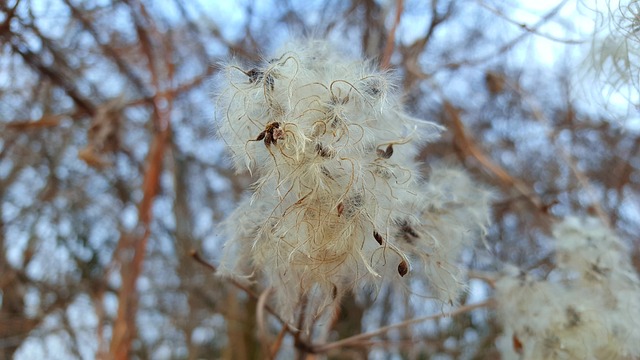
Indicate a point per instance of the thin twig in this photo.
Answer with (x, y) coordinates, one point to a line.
(469, 147)
(251, 293)
(489, 278)
(391, 39)
(526, 27)
(364, 336)
(260, 318)
(278, 343)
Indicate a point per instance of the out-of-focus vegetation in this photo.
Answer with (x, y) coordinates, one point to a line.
(111, 176)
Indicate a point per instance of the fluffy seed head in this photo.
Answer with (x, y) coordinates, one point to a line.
(338, 203)
(588, 309)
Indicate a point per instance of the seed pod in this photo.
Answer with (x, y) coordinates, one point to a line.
(517, 344)
(268, 139)
(385, 154)
(406, 231)
(254, 75)
(340, 208)
(403, 268)
(378, 237)
(388, 152)
(323, 151)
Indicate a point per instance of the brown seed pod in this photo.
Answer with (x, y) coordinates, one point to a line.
(385, 154)
(324, 152)
(271, 134)
(256, 76)
(403, 268)
(340, 208)
(407, 232)
(378, 237)
(517, 344)
(388, 152)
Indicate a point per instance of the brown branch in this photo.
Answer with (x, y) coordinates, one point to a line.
(469, 148)
(524, 26)
(124, 329)
(391, 39)
(411, 52)
(350, 341)
(251, 293)
(124, 326)
(260, 318)
(278, 343)
(300, 343)
(46, 121)
(510, 44)
(107, 49)
(10, 13)
(56, 78)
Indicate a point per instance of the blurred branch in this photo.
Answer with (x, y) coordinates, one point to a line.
(469, 148)
(524, 26)
(124, 328)
(391, 38)
(55, 76)
(9, 13)
(356, 340)
(46, 121)
(411, 53)
(108, 50)
(510, 44)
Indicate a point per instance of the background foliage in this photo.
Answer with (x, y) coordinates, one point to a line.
(110, 175)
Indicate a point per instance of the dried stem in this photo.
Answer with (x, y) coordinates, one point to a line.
(350, 341)
(391, 39)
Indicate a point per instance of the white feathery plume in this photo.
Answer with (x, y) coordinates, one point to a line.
(338, 204)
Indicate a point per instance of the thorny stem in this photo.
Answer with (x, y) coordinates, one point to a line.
(357, 338)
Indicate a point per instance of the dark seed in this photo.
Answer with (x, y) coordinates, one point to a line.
(407, 232)
(324, 152)
(254, 75)
(378, 237)
(388, 152)
(385, 154)
(403, 268)
(326, 173)
(517, 344)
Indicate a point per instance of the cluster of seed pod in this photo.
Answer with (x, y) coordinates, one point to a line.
(338, 203)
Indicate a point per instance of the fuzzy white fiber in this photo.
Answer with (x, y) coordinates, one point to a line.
(589, 309)
(338, 204)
